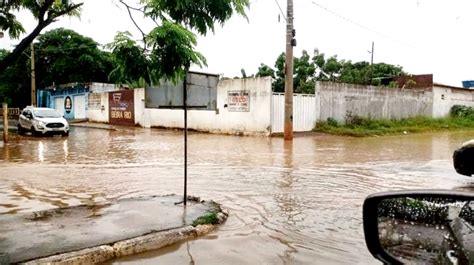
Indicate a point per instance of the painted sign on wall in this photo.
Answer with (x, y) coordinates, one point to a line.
(238, 101)
(121, 108)
(68, 104)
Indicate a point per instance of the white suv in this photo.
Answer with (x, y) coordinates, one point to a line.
(41, 121)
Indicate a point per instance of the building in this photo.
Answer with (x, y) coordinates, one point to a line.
(71, 99)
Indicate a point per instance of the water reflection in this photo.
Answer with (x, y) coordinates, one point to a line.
(41, 150)
(66, 150)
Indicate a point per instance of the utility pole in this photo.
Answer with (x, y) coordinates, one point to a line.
(5, 122)
(372, 55)
(33, 76)
(371, 63)
(290, 42)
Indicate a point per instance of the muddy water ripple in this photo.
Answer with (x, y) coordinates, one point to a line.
(296, 203)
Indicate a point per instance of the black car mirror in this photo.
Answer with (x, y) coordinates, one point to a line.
(420, 227)
(463, 159)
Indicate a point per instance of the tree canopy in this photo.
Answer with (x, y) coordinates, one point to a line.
(45, 12)
(62, 56)
(169, 48)
(309, 69)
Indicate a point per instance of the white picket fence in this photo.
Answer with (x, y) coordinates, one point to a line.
(304, 112)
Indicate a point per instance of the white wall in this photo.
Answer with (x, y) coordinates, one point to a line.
(336, 100)
(98, 107)
(102, 87)
(444, 98)
(256, 121)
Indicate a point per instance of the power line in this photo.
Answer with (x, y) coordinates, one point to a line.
(281, 10)
(360, 25)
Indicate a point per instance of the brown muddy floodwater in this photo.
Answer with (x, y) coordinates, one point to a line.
(296, 203)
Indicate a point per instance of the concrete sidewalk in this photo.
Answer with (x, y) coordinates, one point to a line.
(93, 125)
(30, 236)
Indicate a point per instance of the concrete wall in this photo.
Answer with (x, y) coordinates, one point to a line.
(336, 100)
(257, 120)
(98, 107)
(444, 98)
(102, 87)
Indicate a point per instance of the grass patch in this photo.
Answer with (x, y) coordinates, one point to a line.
(461, 118)
(208, 218)
(211, 216)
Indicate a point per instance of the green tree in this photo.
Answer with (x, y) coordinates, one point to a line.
(308, 70)
(304, 79)
(265, 70)
(64, 56)
(44, 11)
(131, 64)
(15, 81)
(279, 83)
(169, 48)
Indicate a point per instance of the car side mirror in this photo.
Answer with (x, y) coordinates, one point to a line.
(463, 159)
(434, 227)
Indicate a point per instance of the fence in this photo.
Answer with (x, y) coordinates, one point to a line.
(304, 112)
(12, 112)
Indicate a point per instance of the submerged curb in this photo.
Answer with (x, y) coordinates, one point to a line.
(91, 126)
(152, 241)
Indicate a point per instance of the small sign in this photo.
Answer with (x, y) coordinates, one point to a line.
(121, 107)
(68, 104)
(238, 101)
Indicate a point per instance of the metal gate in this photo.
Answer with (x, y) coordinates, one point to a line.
(79, 107)
(304, 112)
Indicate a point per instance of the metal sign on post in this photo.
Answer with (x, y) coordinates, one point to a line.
(198, 91)
(185, 108)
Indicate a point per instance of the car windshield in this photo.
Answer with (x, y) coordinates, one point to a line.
(46, 113)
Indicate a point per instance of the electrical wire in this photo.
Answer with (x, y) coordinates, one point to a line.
(360, 25)
(281, 10)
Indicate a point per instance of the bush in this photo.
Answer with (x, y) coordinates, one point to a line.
(332, 122)
(354, 120)
(462, 111)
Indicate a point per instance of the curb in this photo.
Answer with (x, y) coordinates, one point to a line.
(92, 127)
(152, 241)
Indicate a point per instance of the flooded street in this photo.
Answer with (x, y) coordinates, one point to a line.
(290, 203)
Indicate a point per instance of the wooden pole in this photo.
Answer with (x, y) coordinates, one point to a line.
(5, 122)
(33, 76)
(288, 128)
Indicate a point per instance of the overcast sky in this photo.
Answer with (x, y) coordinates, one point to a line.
(423, 36)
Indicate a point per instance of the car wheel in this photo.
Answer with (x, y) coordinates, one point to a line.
(20, 130)
(34, 132)
(65, 133)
